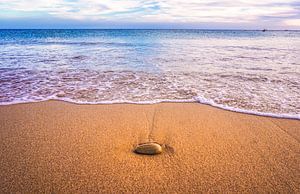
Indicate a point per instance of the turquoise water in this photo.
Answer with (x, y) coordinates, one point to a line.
(247, 71)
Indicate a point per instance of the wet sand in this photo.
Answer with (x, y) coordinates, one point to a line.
(61, 147)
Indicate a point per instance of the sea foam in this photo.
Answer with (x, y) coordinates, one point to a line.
(243, 71)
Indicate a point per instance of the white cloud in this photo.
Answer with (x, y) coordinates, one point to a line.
(293, 22)
(158, 10)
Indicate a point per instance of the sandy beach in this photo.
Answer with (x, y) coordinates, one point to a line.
(59, 147)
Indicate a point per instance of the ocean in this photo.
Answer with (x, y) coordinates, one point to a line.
(245, 71)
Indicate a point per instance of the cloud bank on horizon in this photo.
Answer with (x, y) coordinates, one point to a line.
(277, 14)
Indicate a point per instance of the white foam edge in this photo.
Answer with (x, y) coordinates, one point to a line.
(239, 110)
(199, 99)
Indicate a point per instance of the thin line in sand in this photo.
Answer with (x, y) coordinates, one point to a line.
(150, 135)
(285, 131)
(150, 125)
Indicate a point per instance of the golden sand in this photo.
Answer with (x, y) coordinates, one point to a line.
(65, 148)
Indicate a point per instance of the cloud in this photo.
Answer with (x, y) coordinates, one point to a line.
(293, 22)
(286, 12)
(79, 9)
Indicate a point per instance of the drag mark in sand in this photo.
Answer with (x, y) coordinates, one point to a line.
(150, 135)
(150, 147)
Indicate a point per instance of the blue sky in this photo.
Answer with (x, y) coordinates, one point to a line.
(205, 14)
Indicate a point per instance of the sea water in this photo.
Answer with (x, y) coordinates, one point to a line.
(247, 71)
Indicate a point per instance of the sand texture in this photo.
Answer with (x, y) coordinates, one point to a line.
(58, 147)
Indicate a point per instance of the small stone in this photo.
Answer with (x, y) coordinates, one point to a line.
(150, 148)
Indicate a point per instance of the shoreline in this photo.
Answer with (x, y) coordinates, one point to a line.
(62, 147)
(221, 107)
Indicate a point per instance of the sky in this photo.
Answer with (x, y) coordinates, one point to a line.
(203, 14)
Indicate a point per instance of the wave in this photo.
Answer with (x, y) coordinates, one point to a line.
(248, 93)
(200, 100)
(74, 43)
(245, 72)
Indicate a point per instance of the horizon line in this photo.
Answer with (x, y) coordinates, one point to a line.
(212, 29)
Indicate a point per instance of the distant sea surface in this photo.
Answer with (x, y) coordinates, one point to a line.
(246, 71)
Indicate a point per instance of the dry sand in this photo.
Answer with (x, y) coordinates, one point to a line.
(65, 148)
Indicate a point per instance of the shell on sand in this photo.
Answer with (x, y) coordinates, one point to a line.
(150, 148)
